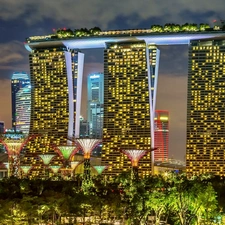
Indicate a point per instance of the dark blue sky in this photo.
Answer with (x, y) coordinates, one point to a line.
(23, 18)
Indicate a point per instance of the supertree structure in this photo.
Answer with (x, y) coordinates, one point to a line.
(134, 155)
(14, 143)
(87, 145)
(74, 165)
(100, 169)
(55, 168)
(46, 158)
(66, 153)
(25, 169)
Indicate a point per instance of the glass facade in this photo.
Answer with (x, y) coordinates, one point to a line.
(161, 123)
(54, 75)
(20, 98)
(23, 104)
(206, 108)
(130, 81)
(95, 84)
(2, 127)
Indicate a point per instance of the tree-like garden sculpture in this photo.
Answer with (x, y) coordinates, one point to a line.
(55, 168)
(46, 159)
(14, 143)
(66, 153)
(134, 155)
(25, 169)
(100, 169)
(87, 145)
(74, 165)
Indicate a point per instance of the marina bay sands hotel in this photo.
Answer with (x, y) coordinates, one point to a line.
(131, 64)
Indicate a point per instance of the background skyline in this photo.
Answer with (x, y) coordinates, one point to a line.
(23, 18)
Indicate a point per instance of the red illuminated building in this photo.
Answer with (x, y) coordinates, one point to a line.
(161, 124)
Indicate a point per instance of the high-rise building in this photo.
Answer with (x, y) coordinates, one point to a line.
(2, 127)
(20, 86)
(206, 108)
(130, 82)
(23, 104)
(95, 93)
(84, 128)
(161, 123)
(56, 81)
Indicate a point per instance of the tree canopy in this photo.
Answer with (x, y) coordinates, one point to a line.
(172, 199)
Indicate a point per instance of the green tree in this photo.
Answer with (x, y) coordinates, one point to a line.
(193, 27)
(191, 197)
(156, 28)
(185, 27)
(176, 28)
(203, 27)
(159, 199)
(207, 204)
(95, 31)
(135, 196)
(168, 27)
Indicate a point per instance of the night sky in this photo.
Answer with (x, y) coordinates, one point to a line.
(23, 18)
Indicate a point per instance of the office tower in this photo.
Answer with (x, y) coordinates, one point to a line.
(56, 81)
(20, 88)
(84, 127)
(95, 84)
(161, 123)
(205, 108)
(23, 104)
(130, 82)
(2, 127)
(2, 131)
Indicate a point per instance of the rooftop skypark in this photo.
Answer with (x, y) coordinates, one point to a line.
(169, 34)
(63, 33)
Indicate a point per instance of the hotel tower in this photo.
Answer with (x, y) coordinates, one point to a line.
(206, 108)
(130, 82)
(131, 60)
(56, 81)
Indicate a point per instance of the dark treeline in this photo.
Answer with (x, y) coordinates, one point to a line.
(172, 198)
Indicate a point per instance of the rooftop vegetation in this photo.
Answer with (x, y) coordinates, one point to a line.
(63, 33)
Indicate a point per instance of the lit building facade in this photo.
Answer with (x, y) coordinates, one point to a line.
(2, 127)
(20, 88)
(95, 93)
(84, 128)
(161, 123)
(205, 108)
(130, 82)
(23, 104)
(56, 81)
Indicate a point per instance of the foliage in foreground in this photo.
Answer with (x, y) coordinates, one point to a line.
(173, 199)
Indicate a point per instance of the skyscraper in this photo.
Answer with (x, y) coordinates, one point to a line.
(2, 127)
(84, 128)
(20, 86)
(161, 123)
(206, 108)
(23, 104)
(56, 81)
(95, 84)
(130, 82)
